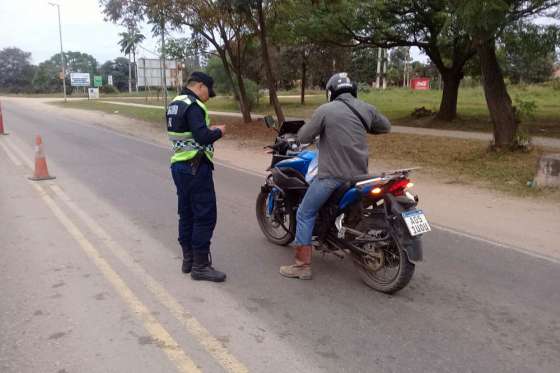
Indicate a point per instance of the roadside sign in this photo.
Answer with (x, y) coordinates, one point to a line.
(93, 93)
(110, 79)
(421, 84)
(97, 81)
(79, 79)
(61, 76)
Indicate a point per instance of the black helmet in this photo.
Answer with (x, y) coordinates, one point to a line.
(340, 83)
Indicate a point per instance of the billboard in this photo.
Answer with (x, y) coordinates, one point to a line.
(420, 84)
(149, 72)
(79, 79)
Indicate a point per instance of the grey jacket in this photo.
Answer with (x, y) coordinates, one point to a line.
(343, 147)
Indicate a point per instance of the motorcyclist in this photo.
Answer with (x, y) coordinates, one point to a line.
(342, 124)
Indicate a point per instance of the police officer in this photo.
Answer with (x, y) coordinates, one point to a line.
(188, 127)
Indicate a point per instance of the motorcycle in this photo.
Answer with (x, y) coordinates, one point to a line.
(372, 218)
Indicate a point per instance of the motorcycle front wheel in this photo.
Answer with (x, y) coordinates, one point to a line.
(278, 228)
(385, 267)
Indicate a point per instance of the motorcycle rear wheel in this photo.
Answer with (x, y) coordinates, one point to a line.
(279, 233)
(373, 268)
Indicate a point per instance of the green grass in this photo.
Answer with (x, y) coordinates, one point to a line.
(456, 160)
(397, 104)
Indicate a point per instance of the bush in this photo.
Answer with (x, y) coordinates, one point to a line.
(253, 93)
(364, 88)
(525, 109)
(108, 89)
(556, 84)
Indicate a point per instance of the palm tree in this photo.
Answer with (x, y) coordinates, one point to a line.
(128, 43)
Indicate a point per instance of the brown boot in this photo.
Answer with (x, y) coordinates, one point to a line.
(302, 268)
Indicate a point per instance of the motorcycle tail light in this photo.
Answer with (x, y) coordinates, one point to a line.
(398, 187)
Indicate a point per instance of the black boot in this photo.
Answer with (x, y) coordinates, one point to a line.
(202, 269)
(186, 267)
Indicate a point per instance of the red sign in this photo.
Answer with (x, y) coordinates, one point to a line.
(420, 84)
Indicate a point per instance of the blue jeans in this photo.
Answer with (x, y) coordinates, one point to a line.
(196, 205)
(318, 193)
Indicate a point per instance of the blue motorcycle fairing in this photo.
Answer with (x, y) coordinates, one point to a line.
(299, 163)
(351, 196)
(270, 201)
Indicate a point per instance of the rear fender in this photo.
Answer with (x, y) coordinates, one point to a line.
(412, 245)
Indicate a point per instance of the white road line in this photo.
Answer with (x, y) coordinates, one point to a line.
(496, 243)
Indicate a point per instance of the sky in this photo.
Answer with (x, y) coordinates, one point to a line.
(32, 25)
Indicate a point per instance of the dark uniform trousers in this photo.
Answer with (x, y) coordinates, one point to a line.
(196, 207)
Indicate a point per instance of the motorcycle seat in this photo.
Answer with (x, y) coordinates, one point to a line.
(358, 178)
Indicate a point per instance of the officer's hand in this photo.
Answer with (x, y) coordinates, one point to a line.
(222, 128)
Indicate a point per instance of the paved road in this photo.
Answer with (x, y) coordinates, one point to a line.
(470, 307)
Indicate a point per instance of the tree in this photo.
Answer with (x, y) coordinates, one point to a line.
(485, 22)
(258, 14)
(16, 71)
(47, 78)
(118, 69)
(429, 25)
(128, 43)
(190, 51)
(78, 62)
(213, 20)
(47, 75)
(528, 52)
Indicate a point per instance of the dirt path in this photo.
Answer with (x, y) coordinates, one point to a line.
(527, 225)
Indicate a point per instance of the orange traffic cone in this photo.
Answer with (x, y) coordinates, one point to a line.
(2, 122)
(41, 171)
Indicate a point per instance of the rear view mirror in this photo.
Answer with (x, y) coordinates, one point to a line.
(269, 121)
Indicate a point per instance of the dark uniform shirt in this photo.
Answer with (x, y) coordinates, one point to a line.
(191, 118)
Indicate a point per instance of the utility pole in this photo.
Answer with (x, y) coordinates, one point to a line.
(164, 78)
(63, 60)
(378, 78)
(385, 58)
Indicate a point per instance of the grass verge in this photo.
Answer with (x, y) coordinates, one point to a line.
(397, 104)
(455, 160)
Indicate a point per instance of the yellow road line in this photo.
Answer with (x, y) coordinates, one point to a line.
(214, 347)
(193, 326)
(151, 324)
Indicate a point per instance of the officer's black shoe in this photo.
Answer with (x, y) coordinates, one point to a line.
(202, 269)
(186, 267)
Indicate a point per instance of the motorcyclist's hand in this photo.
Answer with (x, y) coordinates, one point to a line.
(222, 129)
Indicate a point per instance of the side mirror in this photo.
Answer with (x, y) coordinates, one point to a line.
(269, 121)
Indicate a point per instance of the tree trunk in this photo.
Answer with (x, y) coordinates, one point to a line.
(241, 92)
(135, 69)
(243, 100)
(303, 77)
(448, 106)
(129, 75)
(497, 98)
(268, 66)
(229, 74)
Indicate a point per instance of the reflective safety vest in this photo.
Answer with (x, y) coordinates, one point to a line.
(184, 146)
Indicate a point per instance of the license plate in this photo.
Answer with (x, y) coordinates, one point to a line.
(416, 222)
